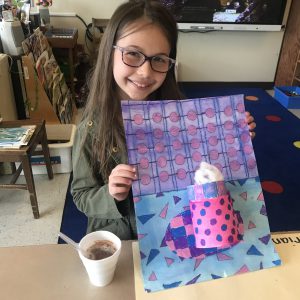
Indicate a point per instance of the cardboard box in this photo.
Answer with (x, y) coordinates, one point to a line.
(60, 141)
(288, 96)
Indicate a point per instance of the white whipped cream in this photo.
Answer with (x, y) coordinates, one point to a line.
(207, 173)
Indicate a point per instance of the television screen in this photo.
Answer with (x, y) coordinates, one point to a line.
(230, 15)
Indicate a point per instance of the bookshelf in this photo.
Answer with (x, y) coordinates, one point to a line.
(48, 96)
(61, 39)
(39, 105)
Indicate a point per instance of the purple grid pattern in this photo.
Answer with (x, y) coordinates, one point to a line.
(167, 140)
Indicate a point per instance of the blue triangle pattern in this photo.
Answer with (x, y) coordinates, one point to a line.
(142, 255)
(254, 251)
(176, 199)
(263, 210)
(153, 253)
(145, 218)
(171, 285)
(194, 280)
(265, 239)
(242, 181)
(277, 262)
(214, 276)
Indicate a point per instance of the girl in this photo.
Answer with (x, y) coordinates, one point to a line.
(135, 61)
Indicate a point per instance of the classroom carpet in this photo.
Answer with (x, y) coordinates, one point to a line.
(277, 150)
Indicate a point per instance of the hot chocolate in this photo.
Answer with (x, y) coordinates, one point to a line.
(100, 249)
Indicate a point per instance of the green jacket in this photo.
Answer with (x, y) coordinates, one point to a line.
(91, 195)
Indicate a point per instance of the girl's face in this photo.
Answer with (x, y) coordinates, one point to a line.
(137, 83)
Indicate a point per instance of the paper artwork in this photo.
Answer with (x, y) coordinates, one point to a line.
(166, 141)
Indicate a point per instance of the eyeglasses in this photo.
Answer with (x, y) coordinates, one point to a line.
(134, 58)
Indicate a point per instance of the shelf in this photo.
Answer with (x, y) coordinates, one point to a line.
(40, 106)
(62, 37)
(65, 38)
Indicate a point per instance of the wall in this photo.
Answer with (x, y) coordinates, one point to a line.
(214, 56)
(229, 56)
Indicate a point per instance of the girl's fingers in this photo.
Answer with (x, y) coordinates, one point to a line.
(120, 181)
(124, 171)
(251, 123)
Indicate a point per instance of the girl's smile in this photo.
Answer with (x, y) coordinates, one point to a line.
(141, 85)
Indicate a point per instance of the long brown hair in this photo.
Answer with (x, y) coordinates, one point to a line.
(104, 106)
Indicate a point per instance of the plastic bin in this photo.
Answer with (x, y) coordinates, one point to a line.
(288, 96)
(60, 140)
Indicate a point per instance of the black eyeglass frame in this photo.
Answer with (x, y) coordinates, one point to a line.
(146, 58)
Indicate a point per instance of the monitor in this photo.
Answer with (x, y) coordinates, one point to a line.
(210, 15)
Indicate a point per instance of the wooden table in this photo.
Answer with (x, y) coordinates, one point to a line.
(23, 155)
(56, 272)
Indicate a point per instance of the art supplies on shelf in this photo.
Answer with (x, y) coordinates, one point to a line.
(15, 137)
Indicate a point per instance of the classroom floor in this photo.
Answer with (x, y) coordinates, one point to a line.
(17, 224)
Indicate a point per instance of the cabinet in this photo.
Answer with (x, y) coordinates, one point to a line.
(288, 69)
(296, 75)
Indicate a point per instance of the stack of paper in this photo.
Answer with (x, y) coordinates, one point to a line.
(15, 137)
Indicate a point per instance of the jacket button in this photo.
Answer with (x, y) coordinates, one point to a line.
(90, 123)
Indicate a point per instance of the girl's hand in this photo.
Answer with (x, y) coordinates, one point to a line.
(251, 124)
(120, 181)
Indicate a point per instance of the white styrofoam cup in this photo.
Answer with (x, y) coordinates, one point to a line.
(100, 272)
